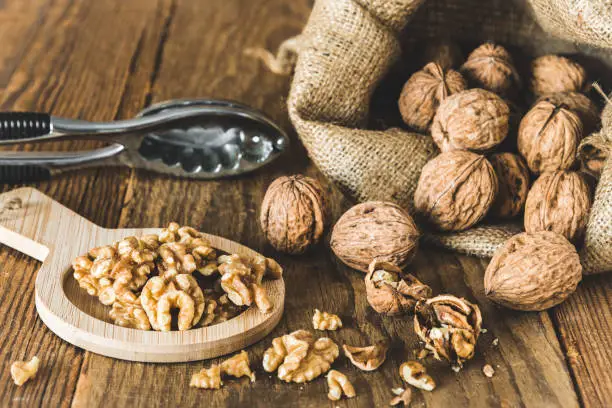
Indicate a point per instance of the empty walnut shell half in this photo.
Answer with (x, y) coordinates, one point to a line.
(560, 202)
(294, 213)
(533, 271)
(375, 229)
(367, 358)
(553, 73)
(513, 177)
(580, 104)
(449, 326)
(424, 91)
(391, 292)
(455, 190)
(475, 119)
(549, 136)
(490, 67)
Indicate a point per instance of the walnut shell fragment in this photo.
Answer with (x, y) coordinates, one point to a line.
(367, 358)
(560, 202)
(391, 292)
(553, 73)
(474, 119)
(548, 137)
(424, 91)
(533, 271)
(490, 67)
(294, 213)
(578, 103)
(375, 229)
(513, 177)
(456, 190)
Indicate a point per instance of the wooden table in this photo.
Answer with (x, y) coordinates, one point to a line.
(104, 60)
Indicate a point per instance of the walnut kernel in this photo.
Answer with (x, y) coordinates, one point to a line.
(339, 385)
(325, 321)
(207, 378)
(414, 374)
(238, 366)
(23, 371)
(403, 396)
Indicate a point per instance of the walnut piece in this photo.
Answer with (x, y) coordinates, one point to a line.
(490, 67)
(128, 312)
(403, 396)
(474, 119)
(560, 202)
(456, 190)
(513, 177)
(533, 271)
(392, 292)
(339, 385)
(185, 250)
(294, 213)
(299, 358)
(553, 73)
(238, 366)
(375, 229)
(367, 358)
(207, 378)
(449, 326)
(22, 371)
(326, 321)
(414, 374)
(424, 91)
(488, 370)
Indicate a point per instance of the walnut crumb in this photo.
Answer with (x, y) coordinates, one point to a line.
(488, 370)
(22, 371)
(402, 396)
(495, 341)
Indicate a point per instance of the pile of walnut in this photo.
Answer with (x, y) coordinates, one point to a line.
(144, 279)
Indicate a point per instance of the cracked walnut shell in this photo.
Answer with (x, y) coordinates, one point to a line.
(367, 358)
(325, 321)
(513, 177)
(23, 371)
(549, 136)
(455, 190)
(391, 292)
(474, 119)
(375, 230)
(339, 385)
(533, 271)
(553, 73)
(490, 67)
(560, 202)
(424, 91)
(294, 213)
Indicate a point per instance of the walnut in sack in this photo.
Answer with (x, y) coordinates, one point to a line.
(294, 213)
(325, 321)
(578, 103)
(490, 67)
(127, 311)
(339, 385)
(513, 177)
(207, 378)
(474, 119)
(367, 358)
(548, 137)
(23, 371)
(449, 326)
(392, 292)
(375, 230)
(560, 202)
(299, 358)
(553, 73)
(533, 271)
(424, 91)
(455, 190)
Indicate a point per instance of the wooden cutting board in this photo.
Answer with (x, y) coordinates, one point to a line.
(51, 233)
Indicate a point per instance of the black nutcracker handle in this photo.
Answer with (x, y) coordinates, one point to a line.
(24, 125)
(24, 174)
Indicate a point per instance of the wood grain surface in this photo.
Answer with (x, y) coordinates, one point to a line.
(100, 60)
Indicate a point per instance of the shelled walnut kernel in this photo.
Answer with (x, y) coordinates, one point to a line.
(414, 374)
(22, 371)
(207, 378)
(325, 321)
(238, 366)
(339, 385)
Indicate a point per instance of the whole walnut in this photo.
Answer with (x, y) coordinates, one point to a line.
(490, 67)
(549, 136)
(443, 52)
(455, 190)
(424, 91)
(578, 103)
(294, 213)
(474, 119)
(560, 202)
(533, 271)
(553, 73)
(513, 177)
(375, 230)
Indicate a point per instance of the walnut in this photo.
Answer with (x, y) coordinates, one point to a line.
(339, 385)
(298, 357)
(127, 311)
(513, 177)
(403, 396)
(367, 358)
(548, 137)
(238, 366)
(414, 374)
(560, 202)
(490, 67)
(449, 326)
(325, 321)
(185, 250)
(159, 296)
(533, 271)
(424, 91)
(455, 190)
(23, 371)
(488, 371)
(392, 292)
(475, 119)
(294, 213)
(443, 52)
(553, 73)
(578, 103)
(207, 378)
(375, 229)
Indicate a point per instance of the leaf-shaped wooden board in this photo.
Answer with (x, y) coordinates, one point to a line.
(46, 230)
